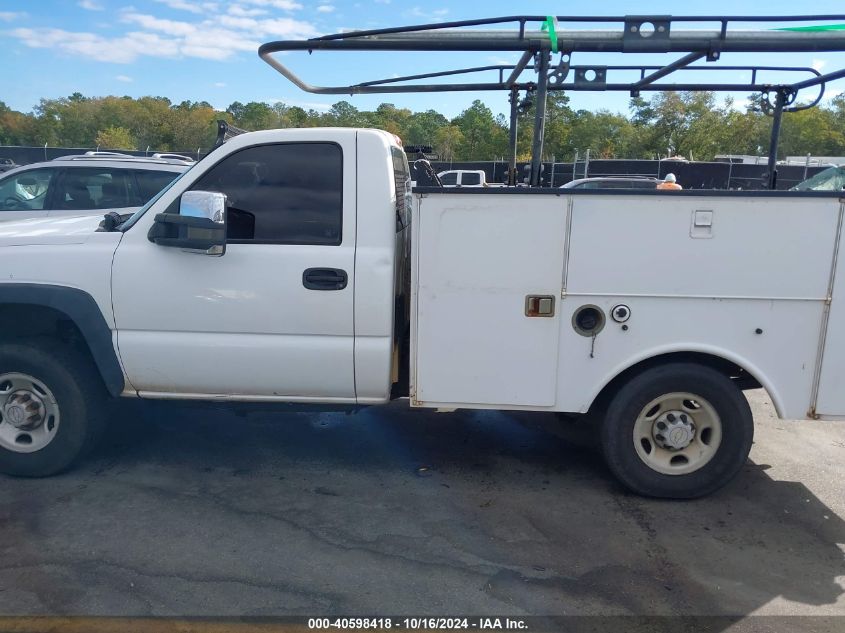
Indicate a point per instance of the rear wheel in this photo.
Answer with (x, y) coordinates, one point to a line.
(51, 407)
(677, 431)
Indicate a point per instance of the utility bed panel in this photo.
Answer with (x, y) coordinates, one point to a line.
(474, 265)
(741, 277)
(709, 247)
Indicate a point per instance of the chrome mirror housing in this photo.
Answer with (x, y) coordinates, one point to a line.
(199, 227)
(210, 205)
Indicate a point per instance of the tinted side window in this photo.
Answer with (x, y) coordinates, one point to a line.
(26, 191)
(288, 193)
(449, 179)
(470, 179)
(95, 188)
(151, 182)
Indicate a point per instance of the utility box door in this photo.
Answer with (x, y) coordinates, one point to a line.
(831, 398)
(482, 264)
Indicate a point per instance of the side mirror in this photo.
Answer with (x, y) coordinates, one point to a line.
(199, 227)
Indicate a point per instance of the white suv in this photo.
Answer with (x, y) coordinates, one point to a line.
(92, 183)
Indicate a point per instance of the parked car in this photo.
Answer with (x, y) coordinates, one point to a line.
(613, 182)
(831, 179)
(95, 182)
(466, 178)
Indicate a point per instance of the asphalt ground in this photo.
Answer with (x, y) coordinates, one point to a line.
(194, 510)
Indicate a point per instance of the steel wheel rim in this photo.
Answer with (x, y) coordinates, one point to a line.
(672, 446)
(29, 413)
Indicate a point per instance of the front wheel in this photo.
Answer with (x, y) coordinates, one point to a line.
(677, 431)
(51, 406)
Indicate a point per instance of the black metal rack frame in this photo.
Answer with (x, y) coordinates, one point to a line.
(630, 34)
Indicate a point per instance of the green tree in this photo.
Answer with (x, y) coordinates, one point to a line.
(344, 114)
(423, 127)
(447, 140)
(693, 124)
(253, 115)
(15, 127)
(483, 138)
(115, 138)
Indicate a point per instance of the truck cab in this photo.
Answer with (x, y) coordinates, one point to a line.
(301, 306)
(297, 291)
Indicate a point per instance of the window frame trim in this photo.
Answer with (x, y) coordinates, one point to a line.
(194, 187)
(394, 151)
(448, 184)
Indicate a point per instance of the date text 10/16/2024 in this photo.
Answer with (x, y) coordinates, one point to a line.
(423, 623)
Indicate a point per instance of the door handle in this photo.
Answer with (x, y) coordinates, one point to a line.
(324, 279)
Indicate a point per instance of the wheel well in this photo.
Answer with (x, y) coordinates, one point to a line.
(29, 321)
(731, 370)
(23, 320)
(66, 314)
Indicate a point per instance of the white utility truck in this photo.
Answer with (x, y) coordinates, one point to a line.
(297, 266)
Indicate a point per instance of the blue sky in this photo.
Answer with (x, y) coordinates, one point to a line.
(206, 49)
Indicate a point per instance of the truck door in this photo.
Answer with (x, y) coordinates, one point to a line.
(272, 317)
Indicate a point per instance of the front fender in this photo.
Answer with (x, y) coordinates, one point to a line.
(80, 308)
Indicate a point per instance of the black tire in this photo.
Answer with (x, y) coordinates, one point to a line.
(617, 433)
(79, 394)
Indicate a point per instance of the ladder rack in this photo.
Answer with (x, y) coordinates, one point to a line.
(549, 43)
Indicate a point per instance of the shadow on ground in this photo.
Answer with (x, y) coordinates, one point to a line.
(189, 510)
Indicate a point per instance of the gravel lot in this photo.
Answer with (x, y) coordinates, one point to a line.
(193, 510)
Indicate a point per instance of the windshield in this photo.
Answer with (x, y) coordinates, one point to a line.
(832, 179)
(125, 226)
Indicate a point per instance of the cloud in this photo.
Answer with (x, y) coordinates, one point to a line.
(217, 44)
(325, 8)
(192, 7)
(9, 16)
(382, 1)
(219, 84)
(436, 15)
(818, 64)
(170, 27)
(217, 36)
(501, 61)
(243, 12)
(120, 50)
(285, 5)
(90, 5)
(281, 27)
(124, 78)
